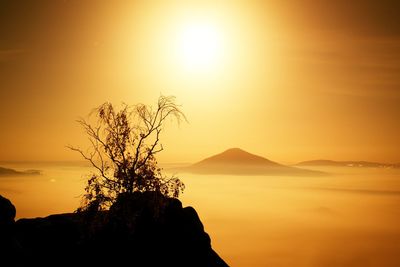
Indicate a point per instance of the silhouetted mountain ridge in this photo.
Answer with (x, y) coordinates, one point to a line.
(237, 156)
(10, 172)
(361, 164)
(236, 161)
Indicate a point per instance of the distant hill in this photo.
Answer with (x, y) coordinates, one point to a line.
(236, 161)
(10, 172)
(360, 164)
(236, 156)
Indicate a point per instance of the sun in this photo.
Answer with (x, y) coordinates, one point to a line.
(199, 46)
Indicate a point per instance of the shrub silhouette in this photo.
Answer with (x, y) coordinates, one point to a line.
(123, 147)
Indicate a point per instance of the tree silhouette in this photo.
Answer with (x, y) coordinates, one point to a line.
(123, 147)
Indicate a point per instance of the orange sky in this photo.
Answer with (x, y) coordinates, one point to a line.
(289, 80)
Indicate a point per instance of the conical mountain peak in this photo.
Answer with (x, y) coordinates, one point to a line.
(236, 161)
(237, 156)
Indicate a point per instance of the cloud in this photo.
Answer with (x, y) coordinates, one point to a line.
(356, 17)
(10, 54)
(358, 191)
(348, 65)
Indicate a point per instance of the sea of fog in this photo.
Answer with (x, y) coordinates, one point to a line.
(349, 218)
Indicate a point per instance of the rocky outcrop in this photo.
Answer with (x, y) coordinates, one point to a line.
(7, 212)
(140, 229)
(8, 244)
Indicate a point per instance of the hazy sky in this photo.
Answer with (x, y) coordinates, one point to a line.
(289, 80)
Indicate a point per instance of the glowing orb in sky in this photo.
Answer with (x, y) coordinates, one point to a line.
(199, 46)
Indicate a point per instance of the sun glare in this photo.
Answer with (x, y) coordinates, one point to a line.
(199, 46)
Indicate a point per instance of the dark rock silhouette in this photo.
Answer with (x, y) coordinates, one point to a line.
(140, 229)
(236, 161)
(8, 244)
(7, 212)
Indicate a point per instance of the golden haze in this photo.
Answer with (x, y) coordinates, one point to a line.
(291, 80)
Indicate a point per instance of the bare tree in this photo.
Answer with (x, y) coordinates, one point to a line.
(123, 147)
